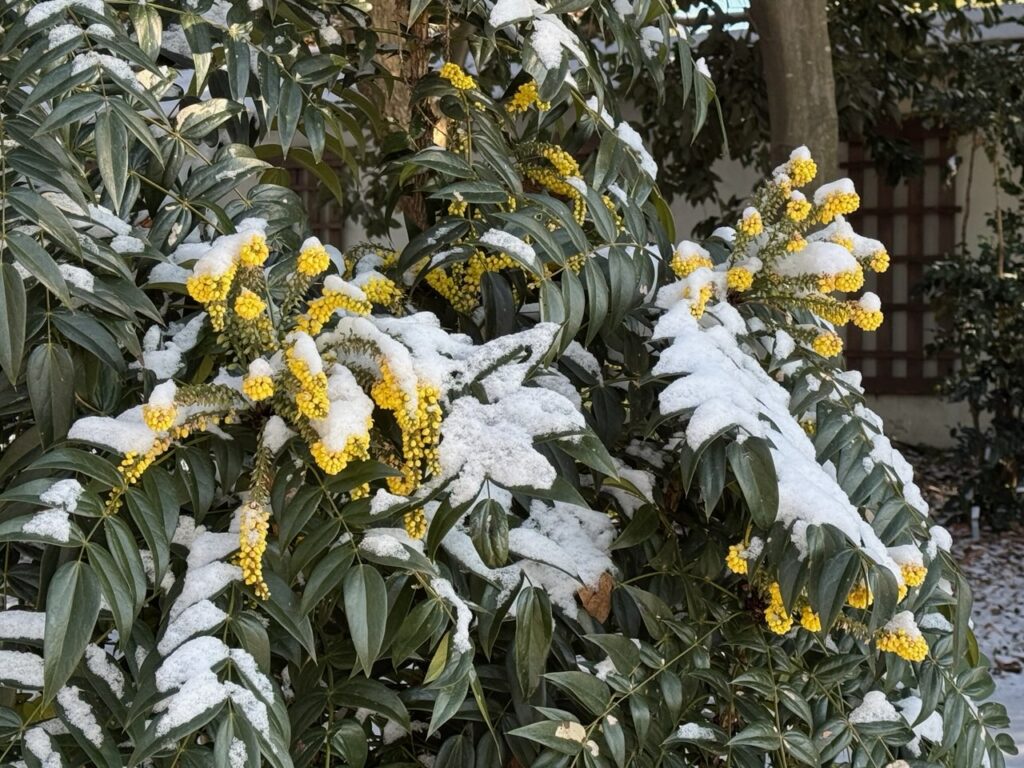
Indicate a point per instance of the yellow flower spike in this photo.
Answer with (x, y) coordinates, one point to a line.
(751, 223)
(795, 243)
(525, 97)
(827, 344)
(801, 167)
(835, 199)
(333, 462)
(778, 619)
(313, 258)
(860, 596)
(736, 560)
(254, 252)
(248, 305)
(253, 526)
(739, 279)
(833, 311)
(850, 281)
(810, 620)
(902, 637)
(879, 261)
(455, 75)
(159, 418)
(415, 524)
(866, 312)
(688, 258)
(797, 208)
(258, 388)
(914, 575)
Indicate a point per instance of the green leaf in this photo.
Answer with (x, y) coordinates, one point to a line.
(51, 389)
(592, 693)
(752, 464)
(39, 263)
(72, 606)
(565, 736)
(758, 735)
(289, 111)
(148, 28)
(12, 319)
(488, 525)
(349, 740)
(533, 638)
(326, 575)
(374, 696)
(366, 611)
(283, 608)
(197, 120)
(112, 154)
(88, 333)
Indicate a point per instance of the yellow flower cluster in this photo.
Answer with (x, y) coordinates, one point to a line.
(455, 75)
(751, 223)
(832, 310)
(795, 243)
(159, 418)
(701, 302)
(913, 574)
(420, 427)
(332, 462)
(909, 646)
(525, 97)
(133, 464)
(563, 166)
(810, 620)
(778, 619)
(860, 596)
(459, 284)
(879, 261)
(320, 309)
(258, 388)
(248, 305)
(798, 208)
(382, 291)
(837, 204)
(311, 399)
(736, 560)
(415, 524)
(313, 260)
(864, 319)
(827, 344)
(684, 266)
(739, 279)
(255, 251)
(801, 170)
(253, 526)
(844, 281)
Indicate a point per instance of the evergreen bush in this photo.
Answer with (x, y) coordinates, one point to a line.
(541, 487)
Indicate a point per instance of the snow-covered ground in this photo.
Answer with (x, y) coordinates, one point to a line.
(995, 569)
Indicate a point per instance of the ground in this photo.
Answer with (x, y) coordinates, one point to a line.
(994, 565)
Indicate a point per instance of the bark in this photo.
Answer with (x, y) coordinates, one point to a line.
(797, 61)
(406, 58)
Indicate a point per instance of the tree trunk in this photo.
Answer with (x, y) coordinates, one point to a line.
(797, 60)
(407, 62)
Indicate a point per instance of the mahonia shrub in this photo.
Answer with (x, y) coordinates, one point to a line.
(537, 488)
